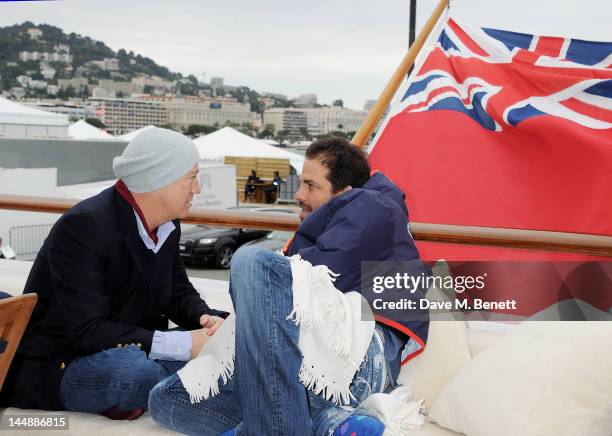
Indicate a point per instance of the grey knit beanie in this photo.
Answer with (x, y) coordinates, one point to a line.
(155, 158)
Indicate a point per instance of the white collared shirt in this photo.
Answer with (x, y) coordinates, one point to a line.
(170, 345)
(163, 232)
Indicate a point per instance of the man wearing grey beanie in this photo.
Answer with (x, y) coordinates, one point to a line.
(108, 278)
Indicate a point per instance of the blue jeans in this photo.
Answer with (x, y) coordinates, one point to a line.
(119, 377)
(265, 396)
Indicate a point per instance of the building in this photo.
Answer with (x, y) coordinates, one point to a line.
(126, 88)
(34, 33)
(333, 119)
(187, 110)
(122, 115)
(106, 64)
(37, 84)
(73, 111)
(155, 82)
(292, 121)
(61, 48)
(305, 100)
(27, 82)
(47, 71)
(23, 80)
(369, 104)
(27, 56)
(99, 93)
(76, 83)
(20, 121)
(52, 89)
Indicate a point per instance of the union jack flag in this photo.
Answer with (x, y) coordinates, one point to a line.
(471, 71)
(503, 129)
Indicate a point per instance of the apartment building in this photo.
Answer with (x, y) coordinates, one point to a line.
(34, 33)
(187, 110)
(154, 82)
(317, 121)
(293, 121)
(26, 56)
(107, 64)
(333, 119)
(127, 88)
(122, 115)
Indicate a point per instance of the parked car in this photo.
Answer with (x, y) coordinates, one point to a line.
(204, 244)
(274, 241)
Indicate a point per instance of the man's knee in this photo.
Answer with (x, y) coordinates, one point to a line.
(119, 377)
(249, 266)
(249, 257)
(143, 371)
(252, 270)
(126, 365)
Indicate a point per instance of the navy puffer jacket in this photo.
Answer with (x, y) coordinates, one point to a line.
(363, 224)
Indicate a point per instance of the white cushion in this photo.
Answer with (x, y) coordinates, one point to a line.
(447, 351)
(543, 378)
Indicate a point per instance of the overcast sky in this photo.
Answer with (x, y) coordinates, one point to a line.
(344, 49)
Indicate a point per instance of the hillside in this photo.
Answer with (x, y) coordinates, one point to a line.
(15, 39)
(53, 55)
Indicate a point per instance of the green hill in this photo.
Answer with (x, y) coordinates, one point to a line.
(15, 39)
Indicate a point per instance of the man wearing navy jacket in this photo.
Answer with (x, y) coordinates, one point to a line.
(108, 278)
(348, 217)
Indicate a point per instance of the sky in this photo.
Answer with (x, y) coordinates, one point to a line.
(337, 49)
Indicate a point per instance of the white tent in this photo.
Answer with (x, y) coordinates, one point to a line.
(19, 121)
(131, 135)
(269, 141)
(82, 191)
(230, 142)
(83, 130)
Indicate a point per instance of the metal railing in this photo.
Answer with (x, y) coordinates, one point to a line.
(27, 240)
(597, 245)
(288, 189)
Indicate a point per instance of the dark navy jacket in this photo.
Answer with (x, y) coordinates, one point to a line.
(98, 287)
(363, 224)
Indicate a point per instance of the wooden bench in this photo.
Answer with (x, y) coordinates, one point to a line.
(14, 316)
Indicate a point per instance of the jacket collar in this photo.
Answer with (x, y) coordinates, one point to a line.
(127, 222)
(125, 193)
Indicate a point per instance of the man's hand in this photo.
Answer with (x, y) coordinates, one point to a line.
(212, 323)
(198, 339)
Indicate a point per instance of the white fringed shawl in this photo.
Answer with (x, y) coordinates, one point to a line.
(333, 338)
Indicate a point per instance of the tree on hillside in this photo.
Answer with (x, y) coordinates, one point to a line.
(96, 122)
(195, 129)
(267, 132)
(335, 133)
(304, 133)
(282, 135)
(67, 92)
